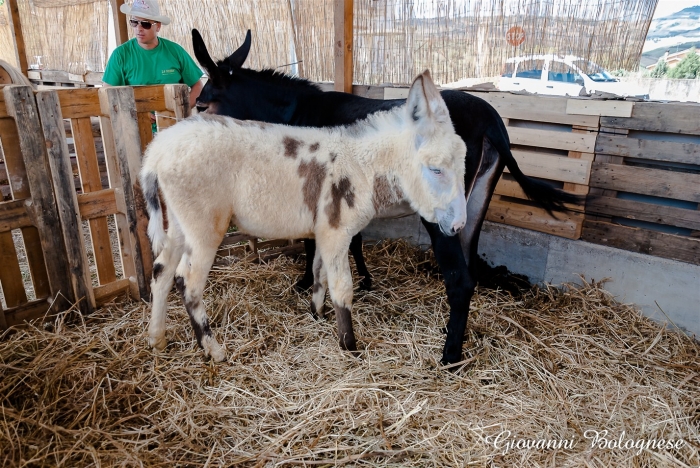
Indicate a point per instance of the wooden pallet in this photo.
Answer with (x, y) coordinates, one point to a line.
(646, 179)
(248, 248)
(32, 210)
(553, 139)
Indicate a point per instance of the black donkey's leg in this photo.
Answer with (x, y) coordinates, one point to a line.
(459, 284)
(362, 272)
(308, 279)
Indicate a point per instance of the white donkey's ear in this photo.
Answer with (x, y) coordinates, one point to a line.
(425, 105)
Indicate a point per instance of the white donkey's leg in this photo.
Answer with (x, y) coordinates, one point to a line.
(163, 277)
(190, 279)
(334, 252)
(319, 287)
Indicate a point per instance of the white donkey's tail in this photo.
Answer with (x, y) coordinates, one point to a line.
(149, 185)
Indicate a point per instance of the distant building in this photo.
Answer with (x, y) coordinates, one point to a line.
(671, 59)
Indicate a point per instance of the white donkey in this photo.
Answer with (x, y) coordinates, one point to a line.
(278, 181)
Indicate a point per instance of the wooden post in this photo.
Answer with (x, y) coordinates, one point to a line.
(66, 198)
(342, 49)
(121, 28)
(21, 106)
(118, 103)
(177, 101)
(300, 64)
(17, 36)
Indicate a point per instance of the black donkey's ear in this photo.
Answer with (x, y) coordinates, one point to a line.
(237, 59)
(203, 57)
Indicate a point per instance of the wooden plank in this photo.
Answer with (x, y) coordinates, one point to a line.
(14, 215)
(599, 108)
(49, 109)
(165, 119)
(684, 249)
(121, 28)
(97, 204)
(580, 189)
(91, 181)
(631, 209)
(547, 166)
(3, 320)
(107, 292)
(271, 244)
(127, 251)
(536, 108)
(343, 44)
(148, 98)
(567, 225)
(5, 78)
(511, 188)
(235, 238)
(21, 105)
(55, 76)
(77, 103)
(659, 117)
(143, 120)
(658, 183)
(10, 273)
(569, 141)
(667, 151)
(17, 35)
(20, 189)
(37, 262)
(118, 104)
(274, 253)
(27, 312)
(3, 109)
(395, 93)
(14, 161)
(74, 77)
(177, 100)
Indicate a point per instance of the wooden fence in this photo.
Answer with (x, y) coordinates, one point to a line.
(72, 156)
(49, 146)
(647, 178)
(639, 162)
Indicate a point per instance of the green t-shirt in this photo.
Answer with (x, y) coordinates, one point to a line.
(168, 63)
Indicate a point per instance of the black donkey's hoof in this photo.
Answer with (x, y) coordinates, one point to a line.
(303, 284)
(366, 284)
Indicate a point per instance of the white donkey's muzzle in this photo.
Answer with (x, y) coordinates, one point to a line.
(454, 218)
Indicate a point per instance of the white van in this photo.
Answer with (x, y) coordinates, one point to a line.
(562, 76)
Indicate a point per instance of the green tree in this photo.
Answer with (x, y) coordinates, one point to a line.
(688, 68)
(660, 69)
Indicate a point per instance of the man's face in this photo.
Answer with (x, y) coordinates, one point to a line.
(143, 35)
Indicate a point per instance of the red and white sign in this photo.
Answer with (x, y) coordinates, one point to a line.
(515, 36)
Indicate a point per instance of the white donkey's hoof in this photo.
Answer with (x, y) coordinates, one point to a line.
(214, 349)
(218, 354)
(158, 343)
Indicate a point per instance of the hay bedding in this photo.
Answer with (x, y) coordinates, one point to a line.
(550, 365)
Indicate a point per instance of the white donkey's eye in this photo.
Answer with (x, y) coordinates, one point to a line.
(436, 171)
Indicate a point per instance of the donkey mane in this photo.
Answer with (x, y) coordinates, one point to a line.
(270, 76)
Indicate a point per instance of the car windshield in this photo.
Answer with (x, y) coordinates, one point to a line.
(595, 72)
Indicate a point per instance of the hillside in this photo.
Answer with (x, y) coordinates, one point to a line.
(677, 31)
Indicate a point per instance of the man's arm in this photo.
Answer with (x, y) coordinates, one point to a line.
(194, 92)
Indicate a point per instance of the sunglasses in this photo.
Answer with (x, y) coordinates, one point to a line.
(144, 24)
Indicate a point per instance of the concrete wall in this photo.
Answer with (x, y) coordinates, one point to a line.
(664, 89)
(635, 278)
